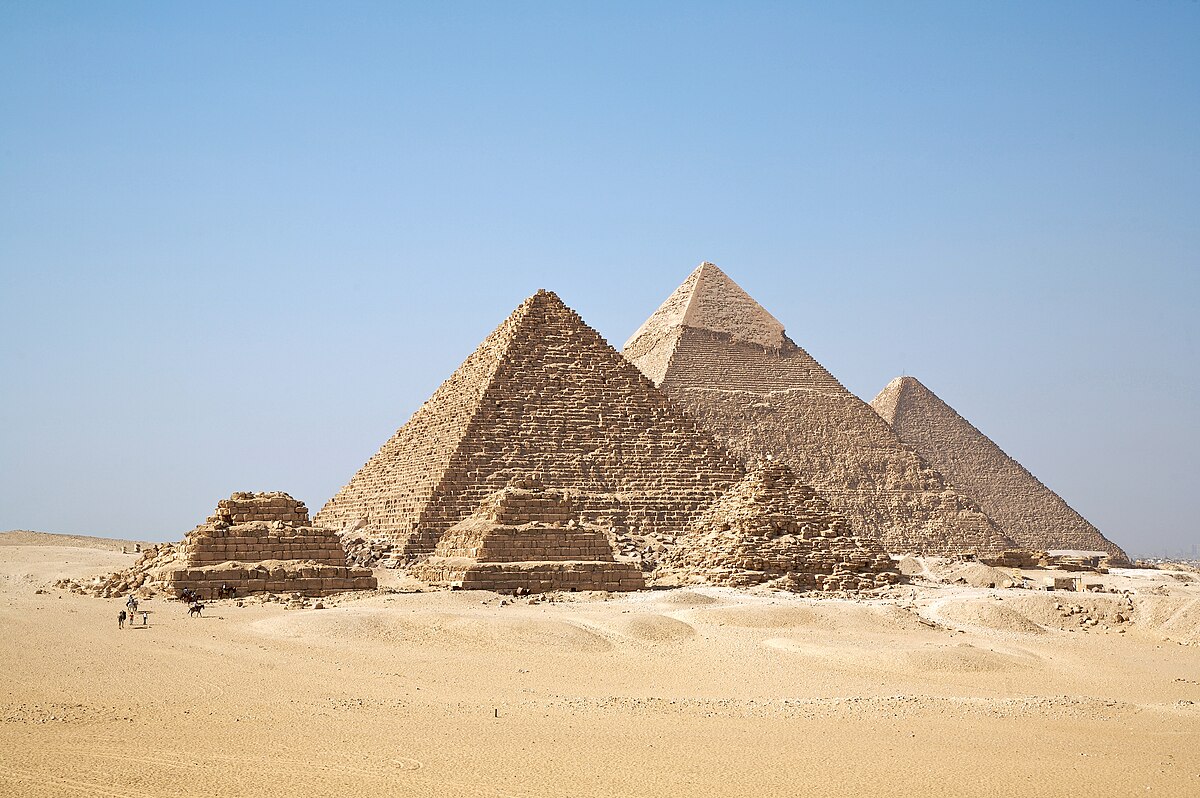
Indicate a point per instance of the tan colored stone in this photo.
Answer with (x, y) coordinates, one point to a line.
(508, 543)
(727, 361)
(1034, 516)
(543, 394)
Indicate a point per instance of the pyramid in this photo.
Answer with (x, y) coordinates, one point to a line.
(1032, 514)
(772, 529)
(263, 542)
(526, 537)
(544, 394)
(718, 354)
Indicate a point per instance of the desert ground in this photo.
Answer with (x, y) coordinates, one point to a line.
(936, 687)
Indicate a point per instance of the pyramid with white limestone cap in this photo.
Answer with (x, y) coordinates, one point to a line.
(681, 344)
(543, 395)
(725, 359)
(1034, 516)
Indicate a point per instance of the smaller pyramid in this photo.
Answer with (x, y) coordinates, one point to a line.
(1034, 516)
(526, 537)
(263, 543)
(772, 529)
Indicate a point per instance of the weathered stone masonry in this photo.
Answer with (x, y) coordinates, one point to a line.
(544, 394)
(527, 537)
(772, 529)
(728, 362)
(1034, 516)
(262, 542)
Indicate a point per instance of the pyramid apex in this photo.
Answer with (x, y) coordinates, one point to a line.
(709, 267)
(544, 294)
(542, 298)
(889, 403)
(904, 381)
(710, 300)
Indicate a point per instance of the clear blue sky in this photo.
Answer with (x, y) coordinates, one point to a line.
(241, 242)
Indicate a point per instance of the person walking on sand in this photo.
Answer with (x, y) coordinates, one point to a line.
(145, 616)
(121, 619)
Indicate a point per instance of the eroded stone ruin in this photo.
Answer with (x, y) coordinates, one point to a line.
(144, 578)
(263, 542)
(726, 360)
(543, 394)
(771, 529)
(1034, 516)
(526, 537)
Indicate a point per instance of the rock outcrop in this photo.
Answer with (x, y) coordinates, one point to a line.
(726, 360)
(1034, 516)
(771, 529)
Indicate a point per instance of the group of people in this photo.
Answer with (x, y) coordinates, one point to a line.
(130, 613)
(192, 599)
(187, 595)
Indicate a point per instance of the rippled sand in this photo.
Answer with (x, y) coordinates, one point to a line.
(951, 690)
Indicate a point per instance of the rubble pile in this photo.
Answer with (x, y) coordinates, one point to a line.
(144, 578)
(772, 529)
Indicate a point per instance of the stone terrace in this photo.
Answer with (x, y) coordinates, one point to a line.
(260, 542)
(526, 537)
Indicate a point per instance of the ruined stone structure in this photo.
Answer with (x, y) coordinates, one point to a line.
(544, 394)
(262, 542)
(772, 529)
(527, 537)
(719, 354)
(1032, 514)
(242, 508)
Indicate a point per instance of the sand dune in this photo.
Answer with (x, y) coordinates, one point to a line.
(944, 689)
(988, 614)
(356, 626)
(817, 614)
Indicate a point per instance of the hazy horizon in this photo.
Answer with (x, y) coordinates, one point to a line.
(239, 246)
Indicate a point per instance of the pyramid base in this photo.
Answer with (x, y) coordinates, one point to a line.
(534, 577)
(305, 578)
(794, 580)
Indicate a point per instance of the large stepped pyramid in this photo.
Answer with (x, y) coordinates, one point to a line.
(1033, 515)
(724, 358)
(543, 395)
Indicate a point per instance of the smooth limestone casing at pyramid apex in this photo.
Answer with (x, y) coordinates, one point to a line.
(718, 353)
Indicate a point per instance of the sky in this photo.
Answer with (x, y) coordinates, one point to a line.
(240, 243)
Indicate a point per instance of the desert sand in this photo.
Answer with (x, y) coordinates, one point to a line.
(942, 689)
